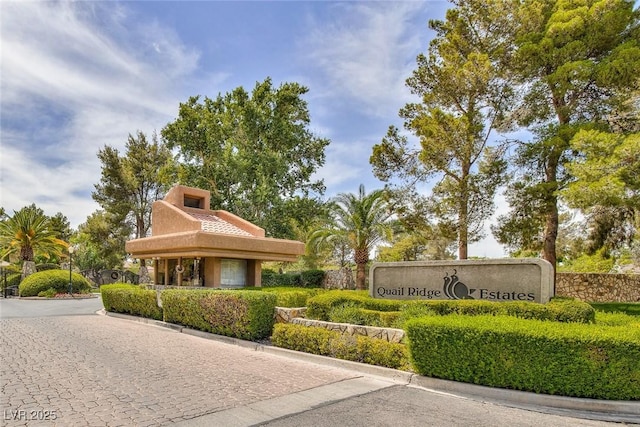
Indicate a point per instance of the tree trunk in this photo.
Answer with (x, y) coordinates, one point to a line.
(28, 268)
(463, 215)
(550, 235)
(361, 258)
(551, 217)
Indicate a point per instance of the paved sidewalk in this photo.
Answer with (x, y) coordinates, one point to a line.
(105, 371)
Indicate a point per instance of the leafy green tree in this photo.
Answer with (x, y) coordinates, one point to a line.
(29, 233)
(306, 217)
(254, 152)
(599, 262)
(61, 226)
(575, 62)
(464, 91)
(362, 221)
(130, 184)
(416, 247)
(606, 185)
(98, 244)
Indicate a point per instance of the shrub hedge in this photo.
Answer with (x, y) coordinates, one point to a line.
(289, 297)
(130, 299)
(319, 307)
(631, 308)
(321, 341)
(617, 319)
(304, 279)
(363, 316)
(49, 293)
(579, 360)
(47, 266)
(236, 313)
(35, 283)
(323, 305)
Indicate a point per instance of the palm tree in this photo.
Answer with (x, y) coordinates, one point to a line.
(29, 232)
(362, 220)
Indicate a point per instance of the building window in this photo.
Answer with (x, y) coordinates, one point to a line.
(233, 273)
(193, 202)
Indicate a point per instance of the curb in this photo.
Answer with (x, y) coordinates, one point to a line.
(56, 299)
(592, 409)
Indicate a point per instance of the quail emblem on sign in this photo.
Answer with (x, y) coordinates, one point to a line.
(455, 289)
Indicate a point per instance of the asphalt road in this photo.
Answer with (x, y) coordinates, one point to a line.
(12, 308)
(64, 365)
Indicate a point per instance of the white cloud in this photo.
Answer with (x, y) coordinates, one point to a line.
(347, 167)
(359, 60)
(24, 181)
(367, 52)
(77, 76)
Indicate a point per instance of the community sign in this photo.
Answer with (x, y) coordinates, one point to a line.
(529, 279)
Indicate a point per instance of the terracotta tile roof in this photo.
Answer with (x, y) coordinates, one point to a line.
(213, 224)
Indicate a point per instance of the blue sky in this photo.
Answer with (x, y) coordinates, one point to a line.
(79, 75)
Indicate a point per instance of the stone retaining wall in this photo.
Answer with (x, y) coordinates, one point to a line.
(593, 287)
(339, 279)
(286, 315)
(296, 316)
(387, 334)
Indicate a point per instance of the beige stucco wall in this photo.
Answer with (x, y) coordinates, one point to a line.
(212, 272)
(166, 220)
(176, 194)
(254, 273)
(178, 233)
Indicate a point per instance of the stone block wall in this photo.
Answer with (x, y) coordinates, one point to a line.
(285, 314)
(339, 279)
(296, 316)
(593, 287)
(387, 334)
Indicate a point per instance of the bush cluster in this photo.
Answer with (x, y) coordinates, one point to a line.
(362, 316)
(47, 266)
(631, 308)
(320, 306)
(321, 341)
(49, 293)
(237, 313)
(130, 299)
(290, 297)
(568, 359)
(304, 279)
(58, 280)
(332, 305)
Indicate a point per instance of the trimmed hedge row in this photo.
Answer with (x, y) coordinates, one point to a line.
(589, 361)
(47, 266)
(58, 280)
(130, 299)
(322, 307)
(304, 279)
(289, 297)
(333, 344)
(236, 313)
(363, 316)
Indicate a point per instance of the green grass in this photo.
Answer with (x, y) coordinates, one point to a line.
(632, 309)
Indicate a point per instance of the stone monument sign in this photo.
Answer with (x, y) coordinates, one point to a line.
(529, 279)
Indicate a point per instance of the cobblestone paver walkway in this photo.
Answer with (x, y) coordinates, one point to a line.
(104, 371)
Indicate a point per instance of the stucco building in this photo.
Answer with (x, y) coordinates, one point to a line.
(192, 245)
